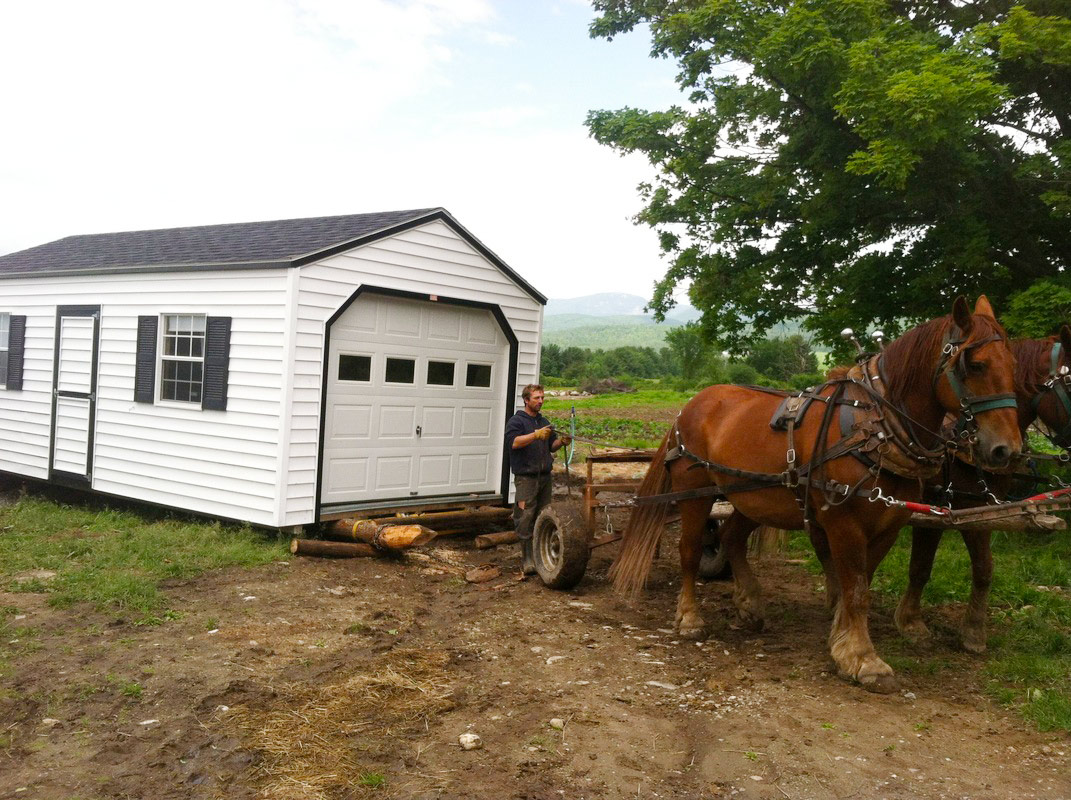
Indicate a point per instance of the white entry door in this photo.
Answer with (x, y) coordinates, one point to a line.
(415, 404)
(74, 392)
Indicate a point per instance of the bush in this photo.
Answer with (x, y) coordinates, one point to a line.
(607, 385)
(739, 373)
(805, 380)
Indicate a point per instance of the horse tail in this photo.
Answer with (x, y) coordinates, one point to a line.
(644, 529)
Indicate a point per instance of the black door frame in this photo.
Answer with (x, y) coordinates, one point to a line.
(62, 476)
(511, 377)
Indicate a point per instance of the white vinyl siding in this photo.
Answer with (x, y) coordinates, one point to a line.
(430, 259)
(218, 463)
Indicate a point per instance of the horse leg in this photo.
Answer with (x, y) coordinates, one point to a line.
(747, 593)
(973, 635)
(694, 516)
(849, 638)
(908, 615)
(820, 542)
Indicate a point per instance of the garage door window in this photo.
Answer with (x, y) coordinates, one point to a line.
(478, 375)
(440, 373)
(354, 368)
(182, 361)
(400, 370)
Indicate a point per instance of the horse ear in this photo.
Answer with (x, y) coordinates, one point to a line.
(1065, 339)
(961, 314)
(983, 307)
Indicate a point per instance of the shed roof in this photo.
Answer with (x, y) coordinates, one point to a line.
(276, 243)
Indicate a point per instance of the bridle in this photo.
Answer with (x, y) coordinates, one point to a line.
(966, 427)
(1059, 383)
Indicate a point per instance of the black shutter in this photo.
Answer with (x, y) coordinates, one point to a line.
(217, 361)
(145, 362)
(16, 346)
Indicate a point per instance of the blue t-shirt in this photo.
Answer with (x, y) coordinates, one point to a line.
(534, 459)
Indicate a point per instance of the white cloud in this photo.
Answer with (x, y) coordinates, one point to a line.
(128, 115)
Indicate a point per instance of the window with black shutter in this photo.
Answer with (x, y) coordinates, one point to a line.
(16, 346)
(217, 363)
(145, 360)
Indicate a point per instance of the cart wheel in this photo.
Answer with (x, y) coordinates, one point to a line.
(714, 564)
(561, 546)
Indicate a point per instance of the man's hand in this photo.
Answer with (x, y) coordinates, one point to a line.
(543, 433)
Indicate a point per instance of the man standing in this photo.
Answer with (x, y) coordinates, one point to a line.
(530, 441)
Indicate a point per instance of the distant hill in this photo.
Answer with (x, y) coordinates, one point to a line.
(615, 319)
(606, 320)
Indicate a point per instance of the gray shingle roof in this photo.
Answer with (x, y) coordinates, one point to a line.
(279, 241)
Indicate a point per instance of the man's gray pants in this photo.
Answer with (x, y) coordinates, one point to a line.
(534, 493)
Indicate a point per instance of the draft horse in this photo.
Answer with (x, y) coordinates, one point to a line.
(1043, 393)
(851, 450)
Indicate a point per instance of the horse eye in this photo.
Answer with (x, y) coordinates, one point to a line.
(976, 367)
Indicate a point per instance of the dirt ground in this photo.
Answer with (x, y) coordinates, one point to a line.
(319, 678)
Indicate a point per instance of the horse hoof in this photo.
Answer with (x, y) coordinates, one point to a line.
(751, 621)
(880, 684)
(694, 634)
(915, 631)
(973, 643)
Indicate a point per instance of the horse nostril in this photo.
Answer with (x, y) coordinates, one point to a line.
(1000, 454)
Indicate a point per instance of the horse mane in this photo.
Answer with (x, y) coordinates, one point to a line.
(838, 373)
(1031, 370)
(903, 358)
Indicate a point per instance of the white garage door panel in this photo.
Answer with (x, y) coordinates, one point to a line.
(372, 450)
(473, 469)
(348, 475)
(72, 426)
(438, 422)
(394, 472)
(397, 422)
(351, 422)
(475, 422)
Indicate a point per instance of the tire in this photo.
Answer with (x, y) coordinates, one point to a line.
(561, 546)
(714, 565)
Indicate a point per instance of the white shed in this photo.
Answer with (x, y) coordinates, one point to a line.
(272, 372)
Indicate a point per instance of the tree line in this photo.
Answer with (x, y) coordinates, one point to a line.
(688, 360)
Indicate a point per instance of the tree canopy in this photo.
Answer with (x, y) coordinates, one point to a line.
(852, 162)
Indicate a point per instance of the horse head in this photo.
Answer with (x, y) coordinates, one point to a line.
(975, 378)
(1044, 384)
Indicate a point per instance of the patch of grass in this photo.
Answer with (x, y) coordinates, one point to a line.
(1029, 654)
(132, 690)
(357, 627)
(371, 780)
(117, 559)
(643, 398)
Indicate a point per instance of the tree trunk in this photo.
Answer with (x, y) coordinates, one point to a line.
(315, 547)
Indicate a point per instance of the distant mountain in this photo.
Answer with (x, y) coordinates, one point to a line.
(613, 304)
(607, 320)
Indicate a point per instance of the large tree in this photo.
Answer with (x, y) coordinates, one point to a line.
(851, 162)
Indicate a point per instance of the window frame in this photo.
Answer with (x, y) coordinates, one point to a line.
(490, 374)
(162, 357)
(371, 367)
(5, 347)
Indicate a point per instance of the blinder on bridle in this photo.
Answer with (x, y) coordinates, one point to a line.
(971, 406)
(1059, 383)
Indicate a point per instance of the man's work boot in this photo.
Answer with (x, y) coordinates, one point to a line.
(527, 557)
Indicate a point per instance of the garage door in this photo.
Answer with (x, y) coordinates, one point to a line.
(415, 402)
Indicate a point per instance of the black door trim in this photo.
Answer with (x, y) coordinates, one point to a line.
(61, 476)
(511, 378)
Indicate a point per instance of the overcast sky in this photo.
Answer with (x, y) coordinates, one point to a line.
(133, 115)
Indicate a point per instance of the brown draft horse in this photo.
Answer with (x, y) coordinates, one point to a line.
(729, 426)
(1038, 398)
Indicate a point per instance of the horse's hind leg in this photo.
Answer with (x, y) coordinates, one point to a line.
(973, 635)
(908, 615)
(694, 516)
(849, 638)
(747, 593)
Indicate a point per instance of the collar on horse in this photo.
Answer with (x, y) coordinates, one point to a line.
(1059, 383)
